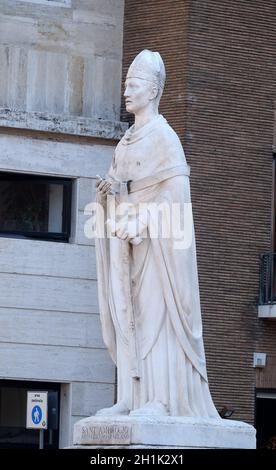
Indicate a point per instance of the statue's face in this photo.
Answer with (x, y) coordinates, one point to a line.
(138, 94)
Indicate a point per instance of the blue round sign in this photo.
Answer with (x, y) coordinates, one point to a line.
(36, 414)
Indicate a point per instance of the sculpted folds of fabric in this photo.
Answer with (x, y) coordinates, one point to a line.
(149, 292)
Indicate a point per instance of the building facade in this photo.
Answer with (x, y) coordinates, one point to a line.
(220, 98)
(60, 82)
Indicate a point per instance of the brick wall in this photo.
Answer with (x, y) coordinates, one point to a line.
(160, 25)
(220, 92)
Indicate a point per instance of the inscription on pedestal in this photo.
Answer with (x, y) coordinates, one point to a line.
(106, 434)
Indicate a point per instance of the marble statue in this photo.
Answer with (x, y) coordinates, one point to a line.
(148, 289)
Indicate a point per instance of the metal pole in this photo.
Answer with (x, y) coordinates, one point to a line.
(273, 201)
(271, 277)
(41, 438)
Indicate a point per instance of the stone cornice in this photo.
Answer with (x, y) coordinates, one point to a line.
(62, 124)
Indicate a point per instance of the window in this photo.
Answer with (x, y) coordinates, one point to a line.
(35, 206)
(265, 419)
(13, 401)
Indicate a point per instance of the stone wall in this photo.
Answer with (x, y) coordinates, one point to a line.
(60, 82)
(61, 58)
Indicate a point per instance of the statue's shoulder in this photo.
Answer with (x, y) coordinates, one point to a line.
(167, 135)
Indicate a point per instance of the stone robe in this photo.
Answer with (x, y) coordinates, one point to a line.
(149, 293)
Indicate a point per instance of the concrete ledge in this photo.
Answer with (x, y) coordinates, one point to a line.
(267, 311)
(63, 124)
(172, 432)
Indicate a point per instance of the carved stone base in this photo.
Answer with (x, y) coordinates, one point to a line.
(172, 432)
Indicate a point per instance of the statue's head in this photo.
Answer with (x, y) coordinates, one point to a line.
(145, 81)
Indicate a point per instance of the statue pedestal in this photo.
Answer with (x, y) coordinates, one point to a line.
(128, 432)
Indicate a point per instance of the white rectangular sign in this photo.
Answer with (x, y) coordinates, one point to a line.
(37, 405)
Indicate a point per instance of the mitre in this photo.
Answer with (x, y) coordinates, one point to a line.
(148, 65)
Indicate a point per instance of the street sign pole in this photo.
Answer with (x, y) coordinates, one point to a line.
(41, 438)
(37, 413)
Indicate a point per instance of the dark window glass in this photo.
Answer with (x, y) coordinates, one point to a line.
(13, 407)
(35, 206)
(265, 420)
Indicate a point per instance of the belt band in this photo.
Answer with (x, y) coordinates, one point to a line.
(137, 185)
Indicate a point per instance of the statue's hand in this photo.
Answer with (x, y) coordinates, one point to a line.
(102, 188)
(130, 229)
